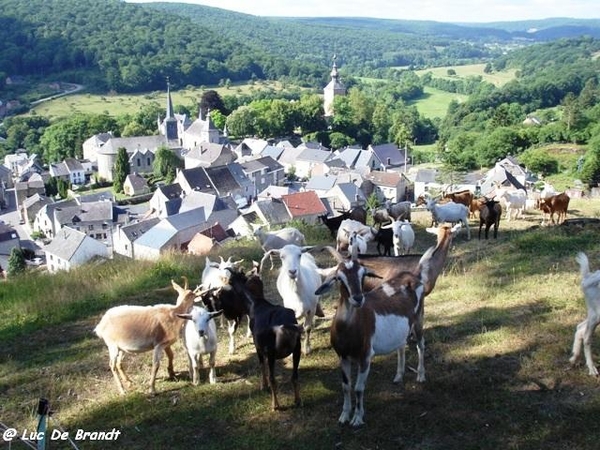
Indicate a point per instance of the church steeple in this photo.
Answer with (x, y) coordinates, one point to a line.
(170, 123)
(333, 89)
(169, 101)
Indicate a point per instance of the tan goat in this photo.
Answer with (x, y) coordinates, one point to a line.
(138, 329)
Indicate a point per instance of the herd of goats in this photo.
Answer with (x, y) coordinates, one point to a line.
(379, 308)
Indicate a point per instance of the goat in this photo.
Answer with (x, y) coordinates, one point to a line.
(357, 243)
(449, 212)
(138, 329)
(200, 338)
(558, 204)
(278, 239)
(403, 236)
(464, 197)
(359, 214)
(333, 223)
(297, 282)
(381, 217)
(275, 332)
(384, 237)
(234, 309)
(590, 285)
(214, 275)
(373, 323)
(347, 227)
(388, 267)
(489, 214)
(399, 210)
(515, 202)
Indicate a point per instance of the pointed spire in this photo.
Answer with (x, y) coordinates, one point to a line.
(334, 71)
(169, 101)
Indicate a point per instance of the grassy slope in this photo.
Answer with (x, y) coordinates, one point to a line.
(435, 102)
(499, 326)
(117, 105)
(496, 78)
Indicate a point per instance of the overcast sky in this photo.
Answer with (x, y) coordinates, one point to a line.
(438, 10)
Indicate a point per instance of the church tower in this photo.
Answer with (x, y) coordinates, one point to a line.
(333, 89)
(169, 125)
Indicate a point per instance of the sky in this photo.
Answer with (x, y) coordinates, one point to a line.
(438, 10)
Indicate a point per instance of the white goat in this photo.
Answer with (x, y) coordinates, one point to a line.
(347, 227)
(515, 203)
(138, 329)
(357, 243)
(214, 274)
(297, 282)
(200, 338)
(590, 285)
(403, 236)
(273, 240)
(449, 212)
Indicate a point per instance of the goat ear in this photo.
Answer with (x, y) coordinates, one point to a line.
(215, 314)
(307, 248)
(185, 316)
(368, 273)
(327, 284)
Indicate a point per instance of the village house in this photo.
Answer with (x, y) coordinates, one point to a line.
(166, 200)
(389, 156)
(208, 154)
(305, 206)
(264, 172)
(9, 239)
(392, 186)
(69, 170)
(311, 162)
(71, 248)
(344, 197)
(32, 205)
(124, 236)
(171, 234)
(135, 184)
(271, 212)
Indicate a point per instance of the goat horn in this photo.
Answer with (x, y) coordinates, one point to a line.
(185, 282)
(336, 255)
(262, 261)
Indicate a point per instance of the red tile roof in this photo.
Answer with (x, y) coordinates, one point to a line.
(304, 204)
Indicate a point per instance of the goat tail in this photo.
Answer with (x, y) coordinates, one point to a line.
(584, 265)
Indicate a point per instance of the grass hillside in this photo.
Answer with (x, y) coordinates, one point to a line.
(119, 104)
(498, 326)
(470, 70)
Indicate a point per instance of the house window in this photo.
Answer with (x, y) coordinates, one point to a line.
(148, 161)
(90, 227)
(139, 163)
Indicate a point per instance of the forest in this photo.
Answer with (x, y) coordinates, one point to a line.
(136, 47)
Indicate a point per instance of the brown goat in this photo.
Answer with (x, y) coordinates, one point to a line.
(138, 329)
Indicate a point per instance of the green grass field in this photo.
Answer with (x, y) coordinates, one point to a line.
(435, 102)
(498, 327)
(116, 105)
(496, 78)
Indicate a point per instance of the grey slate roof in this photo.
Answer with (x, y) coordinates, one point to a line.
(316, 155)
(320, 182)
(134, 230)
(389, 151)
(223, 180)
(65, 243)
(274, 211)
(134, 143)
(198, 179)
(86, 212)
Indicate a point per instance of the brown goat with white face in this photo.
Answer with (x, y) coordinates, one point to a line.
(373, 323)
(138, 329)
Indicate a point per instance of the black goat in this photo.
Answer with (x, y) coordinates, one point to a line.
(359, 214)
(234, 307)
(333, 223)
(385, 238)
(275, 331)
(489, 214)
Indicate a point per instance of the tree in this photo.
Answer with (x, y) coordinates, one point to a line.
(166, 164)
(211, 100)
(451, 72)
(242, 122)
(121, 169)
(16, 261)
(590, 172)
